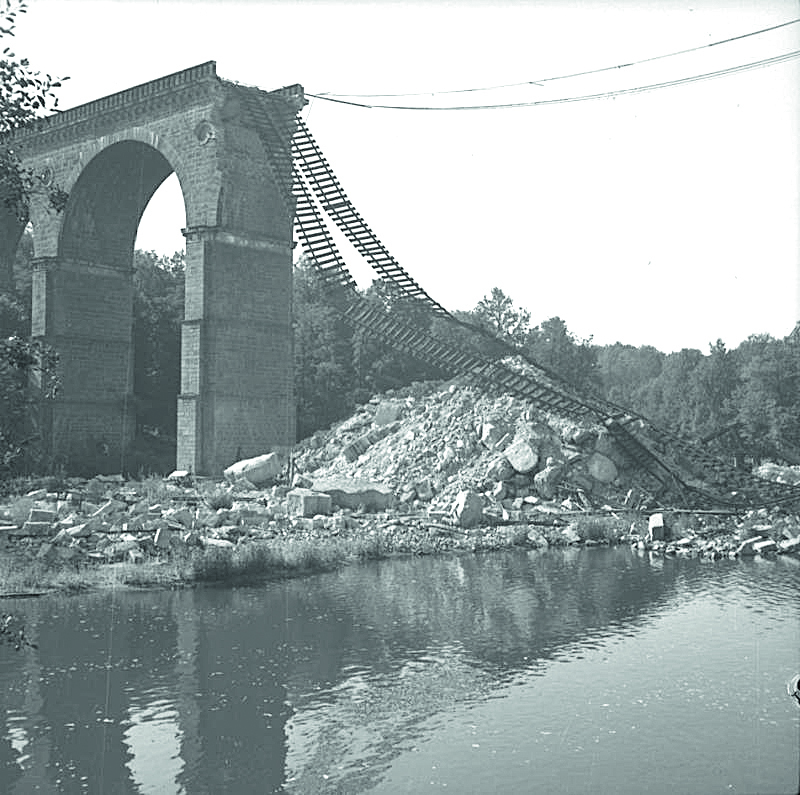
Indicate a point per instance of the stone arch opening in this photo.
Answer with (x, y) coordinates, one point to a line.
(89, 318)
(15, 309)
(159, 265)
(107, 202)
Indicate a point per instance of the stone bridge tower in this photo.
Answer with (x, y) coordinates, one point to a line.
(230, 148)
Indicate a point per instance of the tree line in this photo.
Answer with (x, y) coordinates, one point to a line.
(743, 402)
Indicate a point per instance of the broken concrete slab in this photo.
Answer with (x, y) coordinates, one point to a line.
(745, 549)
(219, 543)
(765, 546)
(355, 493)
(109, 508)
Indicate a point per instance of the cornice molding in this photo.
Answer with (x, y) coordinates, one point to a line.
(142, 103)
(219, 234)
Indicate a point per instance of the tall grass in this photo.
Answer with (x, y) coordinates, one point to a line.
(257, 558)
(599, 528)
(23, 572)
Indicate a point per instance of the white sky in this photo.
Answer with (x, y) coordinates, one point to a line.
(669, 218)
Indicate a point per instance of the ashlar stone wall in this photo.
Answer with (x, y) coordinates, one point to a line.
(111, 155)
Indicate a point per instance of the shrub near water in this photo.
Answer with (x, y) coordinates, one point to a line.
(258, 558)
(599, 528)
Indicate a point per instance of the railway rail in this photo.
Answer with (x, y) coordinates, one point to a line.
(310, 190)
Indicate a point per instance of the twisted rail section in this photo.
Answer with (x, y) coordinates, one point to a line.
(680, 465)
(336, 203)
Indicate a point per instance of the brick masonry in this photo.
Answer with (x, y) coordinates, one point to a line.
(111, 155)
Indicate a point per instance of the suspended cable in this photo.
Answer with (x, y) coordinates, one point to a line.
(581, 98)
(540, 81)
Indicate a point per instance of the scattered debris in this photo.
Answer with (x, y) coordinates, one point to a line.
(434, 467)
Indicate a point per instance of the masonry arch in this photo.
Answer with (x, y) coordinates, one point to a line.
(107, 201)
(85, 299)
(226, 143)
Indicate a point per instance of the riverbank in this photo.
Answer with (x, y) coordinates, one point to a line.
(106, 533)
(433, 468)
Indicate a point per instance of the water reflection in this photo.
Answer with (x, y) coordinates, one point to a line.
(153, 739)
(329, 682)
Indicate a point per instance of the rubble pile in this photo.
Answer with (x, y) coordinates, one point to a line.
(432, 441)
(434, 467)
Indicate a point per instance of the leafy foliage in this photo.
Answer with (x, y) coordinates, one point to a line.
(27, 375)
(323, 355)
(24, 95)
(497, 313)
(553, 345)
(27, 368)
(158, 284)
(21, 362)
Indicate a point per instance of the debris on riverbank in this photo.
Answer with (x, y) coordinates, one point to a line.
(434, 468)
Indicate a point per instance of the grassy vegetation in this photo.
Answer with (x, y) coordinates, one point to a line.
(21, 572)
(601, 528)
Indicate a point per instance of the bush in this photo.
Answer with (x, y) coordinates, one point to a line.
(598, 528)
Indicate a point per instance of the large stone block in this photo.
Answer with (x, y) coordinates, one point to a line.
(656, 529)
(388, 411)
(601, 468)
(494, 435)
(523, 456)
(546, 482)
(37, 528)
(307, 502)
(258, 470)
(42, 515)
(355, 493)
(500, 470)
(467, 510)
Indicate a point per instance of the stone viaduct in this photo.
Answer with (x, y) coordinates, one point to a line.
(229, 146)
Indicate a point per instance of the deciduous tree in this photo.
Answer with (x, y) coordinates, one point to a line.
(24, 95)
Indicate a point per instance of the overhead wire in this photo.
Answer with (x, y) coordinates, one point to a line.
(579, 98)
(540, 81)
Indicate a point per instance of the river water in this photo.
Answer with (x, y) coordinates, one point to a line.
(571, 671)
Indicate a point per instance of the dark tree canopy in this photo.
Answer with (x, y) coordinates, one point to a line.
(27, 368)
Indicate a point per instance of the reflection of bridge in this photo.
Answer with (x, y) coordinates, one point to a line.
(231, 690)
(249, 167)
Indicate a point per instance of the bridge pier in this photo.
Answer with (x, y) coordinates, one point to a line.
(84, 311)
(237, 392)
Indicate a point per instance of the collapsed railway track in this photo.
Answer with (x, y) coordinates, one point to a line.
(686, 472)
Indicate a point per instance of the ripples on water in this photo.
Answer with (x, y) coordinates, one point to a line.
(574, 671)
